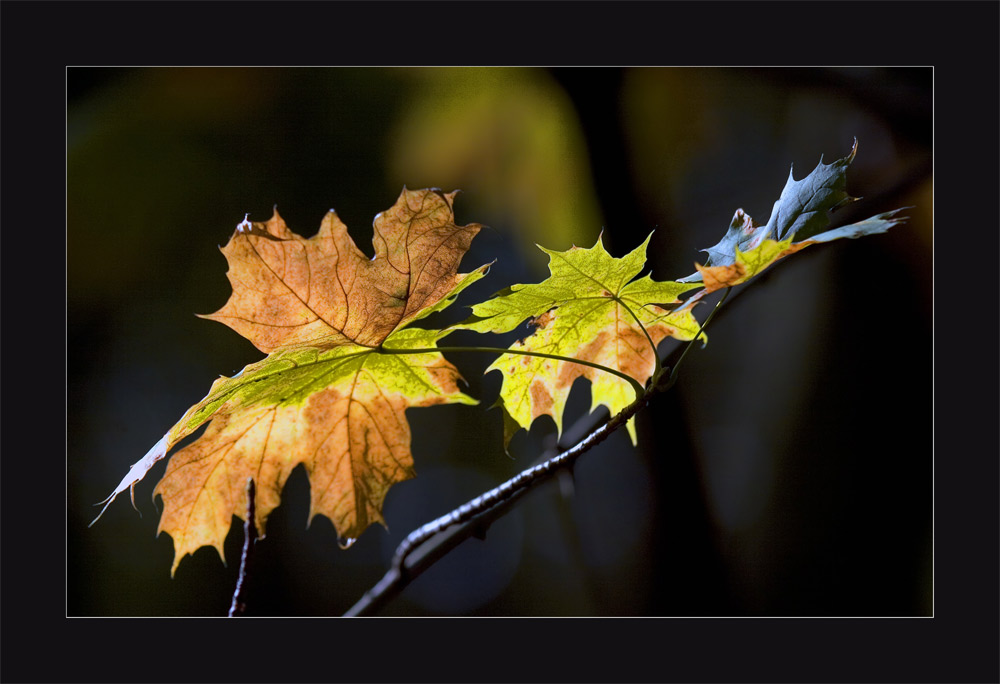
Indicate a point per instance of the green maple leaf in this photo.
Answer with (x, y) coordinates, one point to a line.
(331, 394)
(590, 309)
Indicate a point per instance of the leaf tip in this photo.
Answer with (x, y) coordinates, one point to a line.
(510, 425)
(244, 225)
(106, 502)
(135, 473)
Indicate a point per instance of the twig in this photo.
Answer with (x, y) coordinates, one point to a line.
(239, 605)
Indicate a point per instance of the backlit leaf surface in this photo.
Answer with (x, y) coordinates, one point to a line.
(591, 309)
(329, 395)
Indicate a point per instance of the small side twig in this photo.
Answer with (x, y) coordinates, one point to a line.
(239, 605)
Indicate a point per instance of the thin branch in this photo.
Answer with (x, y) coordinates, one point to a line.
(239, 605)
(423, 547)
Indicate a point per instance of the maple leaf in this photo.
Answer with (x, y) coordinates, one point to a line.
(589, 309)
(332, 393)
(797, 220)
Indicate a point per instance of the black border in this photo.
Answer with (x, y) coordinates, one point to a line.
(958, 38)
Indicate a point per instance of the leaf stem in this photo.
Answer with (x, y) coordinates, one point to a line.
(672, 378)
(636, 385)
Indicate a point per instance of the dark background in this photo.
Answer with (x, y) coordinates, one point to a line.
(789, 473)
(39, 40)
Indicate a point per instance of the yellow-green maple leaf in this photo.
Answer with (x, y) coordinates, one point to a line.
(590, 309)
(331, 394)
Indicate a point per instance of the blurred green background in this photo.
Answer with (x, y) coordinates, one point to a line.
(788, 473)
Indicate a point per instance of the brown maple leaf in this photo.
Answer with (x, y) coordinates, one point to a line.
(333, 391)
